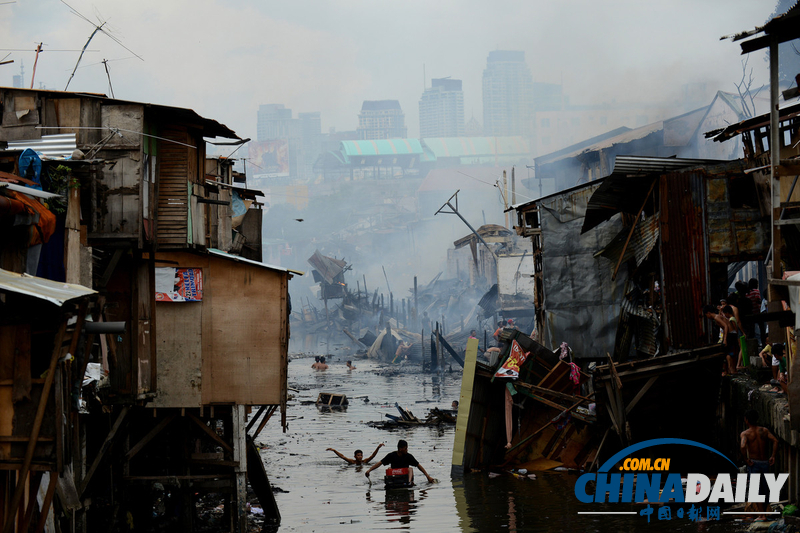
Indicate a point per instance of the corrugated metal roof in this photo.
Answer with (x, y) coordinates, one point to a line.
(382, 147)
(211, 128)
(30, 191)
(637, 164)
(59, 146)
(53, 291)
(642, 242)
(624, 190)
(240, 259)
(623, 138)
(444, 147)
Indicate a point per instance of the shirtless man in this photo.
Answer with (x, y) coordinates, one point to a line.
(359, 456)
(350, 365)
(725, 327)
(754, 447)
(322, 365)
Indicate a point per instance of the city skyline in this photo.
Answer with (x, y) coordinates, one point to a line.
(335, 56)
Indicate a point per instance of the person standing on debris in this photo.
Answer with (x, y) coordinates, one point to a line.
(753, 444)
(754, 295)
(322, 365)
(724, 327)
(350, 366)
(358, 456)
(498, 331)
(426, 322)
(401, 459)
(734, 332)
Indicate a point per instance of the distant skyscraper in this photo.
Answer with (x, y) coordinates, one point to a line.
(507, 94)
(276, 122)
(441, 109)
(381, 119)
(19, 79)
(311, 125)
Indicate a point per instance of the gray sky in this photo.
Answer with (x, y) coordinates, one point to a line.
(223, 59)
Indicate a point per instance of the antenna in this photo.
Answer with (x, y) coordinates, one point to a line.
(96, 29)
(38, 50)
(108, 75)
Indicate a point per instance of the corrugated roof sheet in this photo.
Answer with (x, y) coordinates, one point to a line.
(211, 128)
(382, 147)
(637, 164)
(53, 291)
(642, 242)
(240, 259)
(444, 147)
(59, 146)
(624, 190)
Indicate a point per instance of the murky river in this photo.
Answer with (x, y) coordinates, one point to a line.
(320, 492)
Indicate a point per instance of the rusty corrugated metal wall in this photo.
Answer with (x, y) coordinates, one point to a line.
(684, 259)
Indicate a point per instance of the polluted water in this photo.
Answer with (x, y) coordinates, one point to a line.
(317, 491)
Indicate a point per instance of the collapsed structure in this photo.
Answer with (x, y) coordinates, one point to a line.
(624, 262)
(168, 302)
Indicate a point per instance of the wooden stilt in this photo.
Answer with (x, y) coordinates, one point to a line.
(37, 426)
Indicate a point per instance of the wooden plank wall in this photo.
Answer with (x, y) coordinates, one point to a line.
(173, 191)
(242, 344)
(179, 349)
(243, 336)
(119, 187)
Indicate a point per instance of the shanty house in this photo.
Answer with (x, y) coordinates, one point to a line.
(629, 261)
(172, 244)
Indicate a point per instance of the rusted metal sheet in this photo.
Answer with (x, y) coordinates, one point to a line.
(644, 239)
(684, 258)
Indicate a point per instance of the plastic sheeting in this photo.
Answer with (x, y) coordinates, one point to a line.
(581, 303)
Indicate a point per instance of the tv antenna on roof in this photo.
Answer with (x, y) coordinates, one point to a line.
(96, 29)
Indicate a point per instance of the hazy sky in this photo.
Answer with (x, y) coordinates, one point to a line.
(223, 59)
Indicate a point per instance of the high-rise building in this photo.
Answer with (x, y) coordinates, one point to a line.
(275, 122)
(311, 131)
(441, 109)
(507, 95)
(280, 133)
(381, 119)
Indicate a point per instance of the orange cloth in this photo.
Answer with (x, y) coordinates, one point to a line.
(47, 220)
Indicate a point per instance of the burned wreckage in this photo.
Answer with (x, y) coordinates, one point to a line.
(623, 267)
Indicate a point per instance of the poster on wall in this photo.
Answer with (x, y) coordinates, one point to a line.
(179, 284)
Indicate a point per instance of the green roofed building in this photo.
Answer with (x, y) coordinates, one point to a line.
(386, 158)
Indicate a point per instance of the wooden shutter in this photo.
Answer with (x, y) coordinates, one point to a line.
(173, 189)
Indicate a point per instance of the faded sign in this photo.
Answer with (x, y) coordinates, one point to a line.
(270, 157)
(179, 284)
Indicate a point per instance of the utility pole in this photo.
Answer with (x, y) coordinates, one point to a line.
(454, 211)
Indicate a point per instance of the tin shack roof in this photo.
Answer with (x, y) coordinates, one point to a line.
(55, 292)
(785, 27)
(211, 128)
(226, 255)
